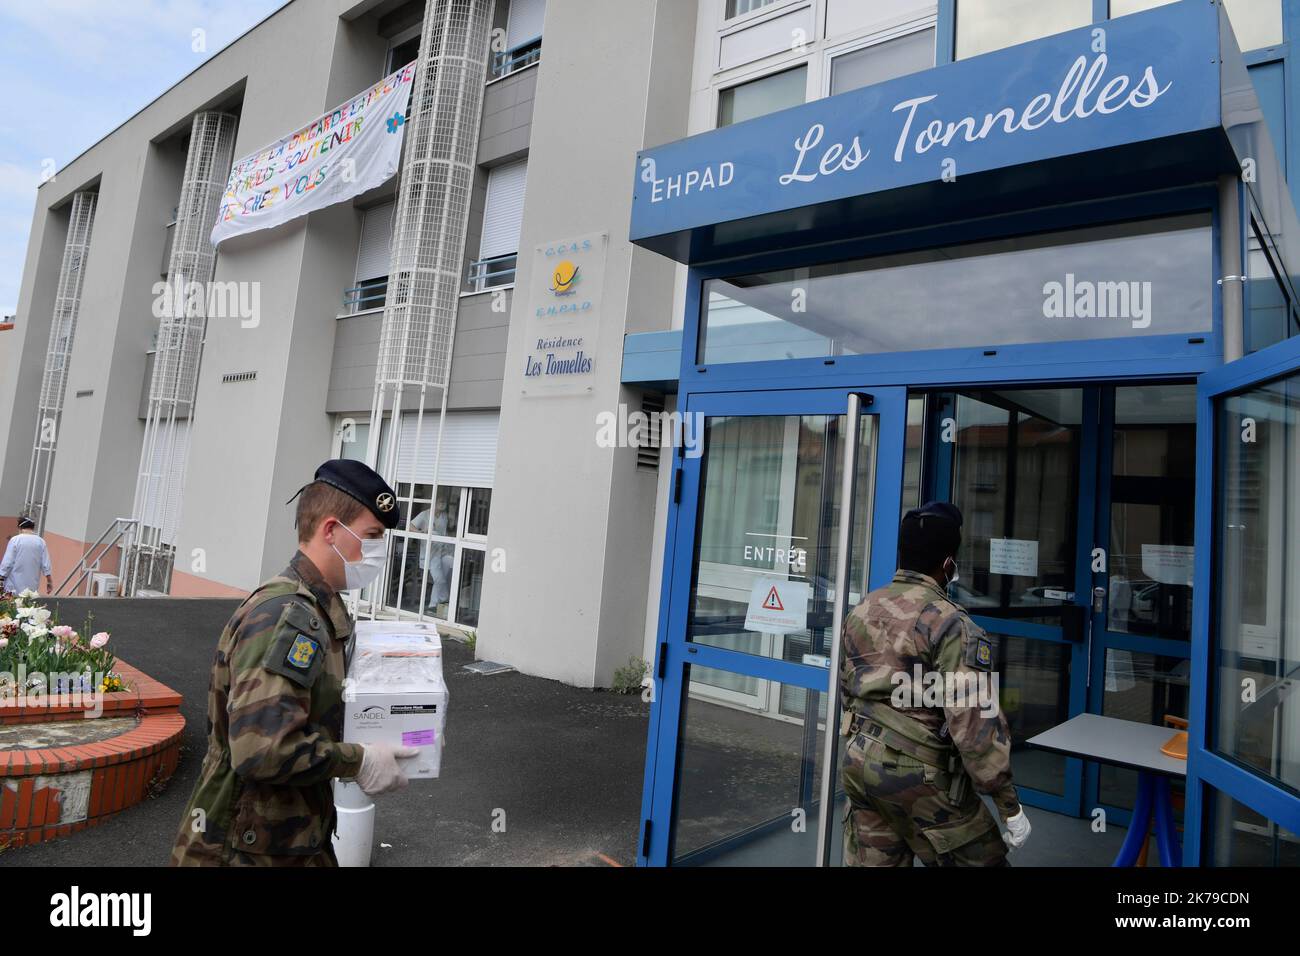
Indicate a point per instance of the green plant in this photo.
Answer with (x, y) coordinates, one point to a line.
(32, 641)
(471, 639)
(627, 680)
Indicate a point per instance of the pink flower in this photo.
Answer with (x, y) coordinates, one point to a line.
(99, 640)
(4, 642)
(63, 632)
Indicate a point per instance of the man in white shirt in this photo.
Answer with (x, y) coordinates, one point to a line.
(26, 559)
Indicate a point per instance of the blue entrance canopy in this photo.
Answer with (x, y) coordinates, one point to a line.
(1152, 100)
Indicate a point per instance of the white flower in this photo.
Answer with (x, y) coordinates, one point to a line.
(41, 615)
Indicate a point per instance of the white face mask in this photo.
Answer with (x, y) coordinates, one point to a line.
(954, 577)
(357, 574)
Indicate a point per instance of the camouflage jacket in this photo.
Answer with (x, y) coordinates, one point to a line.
(275, 722)
(909, 630)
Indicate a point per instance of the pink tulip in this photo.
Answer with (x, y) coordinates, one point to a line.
(4, 642)
(99, 640)
(63, 632)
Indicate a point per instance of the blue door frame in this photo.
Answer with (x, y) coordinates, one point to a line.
(791, 386)
(1208, 771)
(675, 654)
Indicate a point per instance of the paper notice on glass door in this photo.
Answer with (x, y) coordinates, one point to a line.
(777, 606)
(1168, 563)
(1013, 556)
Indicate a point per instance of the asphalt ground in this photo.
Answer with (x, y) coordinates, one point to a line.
(561, 766)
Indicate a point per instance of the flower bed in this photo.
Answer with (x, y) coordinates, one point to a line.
(39, 656)
(84, 737)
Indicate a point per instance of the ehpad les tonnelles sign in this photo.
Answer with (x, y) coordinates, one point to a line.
(1133, 79)
(564, 315)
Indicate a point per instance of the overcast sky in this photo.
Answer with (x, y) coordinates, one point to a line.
(74, 70)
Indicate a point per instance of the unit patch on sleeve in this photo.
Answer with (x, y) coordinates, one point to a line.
(302, 652)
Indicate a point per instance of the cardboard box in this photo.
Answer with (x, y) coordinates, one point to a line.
(396, 694)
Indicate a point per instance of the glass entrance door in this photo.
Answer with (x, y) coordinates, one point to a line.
(1021, 466)
(1076, 552)
(737, 763)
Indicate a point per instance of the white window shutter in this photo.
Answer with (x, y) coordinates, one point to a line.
(376, 242)
(469, 451)
(504, 211)
(525, 21)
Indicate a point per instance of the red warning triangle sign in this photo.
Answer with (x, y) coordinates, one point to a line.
(773, 601)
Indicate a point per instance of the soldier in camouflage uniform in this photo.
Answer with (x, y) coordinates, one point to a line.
(275, 703)
(913, 774)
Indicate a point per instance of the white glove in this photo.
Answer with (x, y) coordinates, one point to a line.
(379, 771)
(1017, 830)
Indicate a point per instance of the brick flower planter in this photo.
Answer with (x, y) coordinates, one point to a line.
(53, 791)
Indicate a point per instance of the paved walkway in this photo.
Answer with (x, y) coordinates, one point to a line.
(562, 766)
(565, 765)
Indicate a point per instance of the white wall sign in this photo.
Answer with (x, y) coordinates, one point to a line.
(1168, 563)
(564, 315)
(777, 606)
(1013, 556)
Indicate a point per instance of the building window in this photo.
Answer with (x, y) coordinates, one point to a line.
(882, 61)
(1242, 837)
(738, 8)
(1270, 315)
(503, 214)
(1257, 581)
(523, 37)
(435, 561)
(350, 438)
(760, 97)
(403, 51)
(987, 25)
(1257, 23)
(373, 255)
(437, 553)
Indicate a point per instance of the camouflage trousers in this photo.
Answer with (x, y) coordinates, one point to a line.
(899, 809)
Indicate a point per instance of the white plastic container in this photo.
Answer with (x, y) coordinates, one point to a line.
(354, 837)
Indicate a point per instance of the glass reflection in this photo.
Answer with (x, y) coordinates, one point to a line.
(1056, 287)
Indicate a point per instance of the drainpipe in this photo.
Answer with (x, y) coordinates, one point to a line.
(1232, 240)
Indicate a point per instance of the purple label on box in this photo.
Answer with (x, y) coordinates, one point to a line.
(419, 738)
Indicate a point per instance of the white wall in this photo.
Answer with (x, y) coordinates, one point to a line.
(576, 521)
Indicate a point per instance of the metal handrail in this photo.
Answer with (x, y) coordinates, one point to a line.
(489, 273)
(354, 301)
(517, 57)
(86, 568)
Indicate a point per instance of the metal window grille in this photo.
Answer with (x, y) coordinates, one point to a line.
(174, 385)
(63, 329)
(428, 245)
